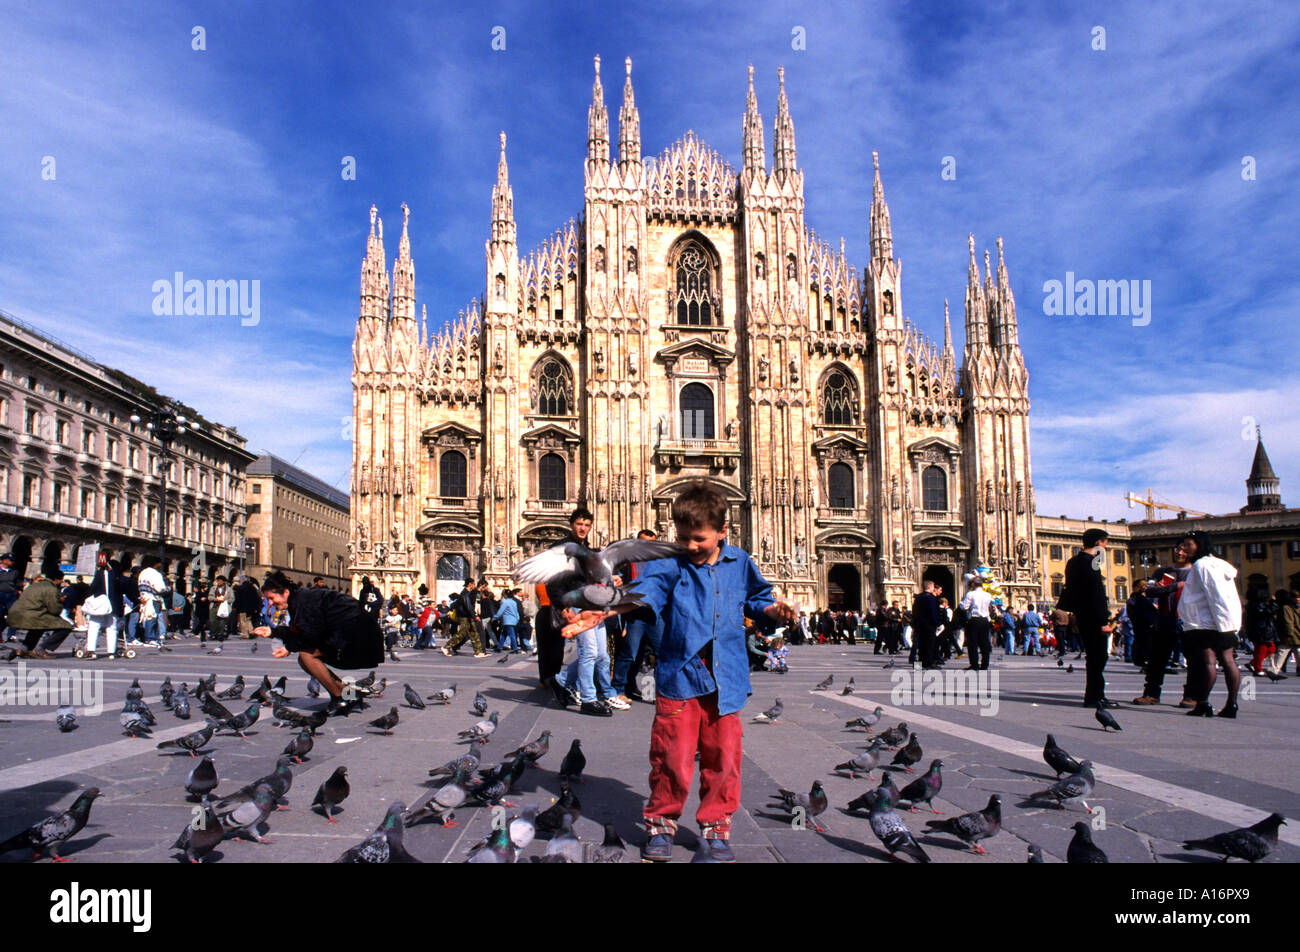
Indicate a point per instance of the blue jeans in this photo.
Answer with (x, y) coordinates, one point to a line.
(506, 639)
(638, 627)
(591, 671)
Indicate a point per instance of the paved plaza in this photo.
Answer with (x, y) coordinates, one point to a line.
(1165, 778)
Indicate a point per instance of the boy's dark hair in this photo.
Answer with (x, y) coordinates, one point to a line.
(277, 582)
(582, 512)
(647, 534)
(700, 506)
(1092, 536)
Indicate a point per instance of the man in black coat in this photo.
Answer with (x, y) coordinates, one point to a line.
(9, 582)
(247, 608)
(926, 621)
(325, 628)
(1085, 590)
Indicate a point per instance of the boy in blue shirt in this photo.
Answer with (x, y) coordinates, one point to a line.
(702, 679)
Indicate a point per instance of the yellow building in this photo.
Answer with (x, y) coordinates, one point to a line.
(296, 524)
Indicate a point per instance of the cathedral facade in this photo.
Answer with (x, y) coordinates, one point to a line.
(690, 325)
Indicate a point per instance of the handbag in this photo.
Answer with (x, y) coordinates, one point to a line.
(147, 612)
(98, 605)
(223, 610)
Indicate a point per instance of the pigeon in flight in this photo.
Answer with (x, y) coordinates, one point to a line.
(892, 831)
(593, 569)
(1074, 788)
(970, 828)
(387, 722)
(412, 699)
(924, 788)
(771, 715)
(51, 833)
(1251, 843)
(574, 763)
(385, 844)
(1105, 718)
(909, 754)
(814, 803)
(192, 742)
(867, 721)
(444, 696)
(198, 842)
(202, 779)
(65, 718)
(1058, 759)
(1082, 849)
(332, 792)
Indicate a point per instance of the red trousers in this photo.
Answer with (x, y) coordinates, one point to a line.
(680, 729)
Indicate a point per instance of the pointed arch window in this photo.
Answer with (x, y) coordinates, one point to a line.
(839, 486)
(552, 388)
(934, 489)
(551, 477)
(839, 400)
(451, 475)
(697, 412)
(694, 282)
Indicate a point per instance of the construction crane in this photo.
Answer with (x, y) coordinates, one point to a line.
(1150, 504)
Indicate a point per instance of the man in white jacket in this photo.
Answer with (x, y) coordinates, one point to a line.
(1210, 611)
(153, 590)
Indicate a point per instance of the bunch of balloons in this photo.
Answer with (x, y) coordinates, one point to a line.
(989, 583)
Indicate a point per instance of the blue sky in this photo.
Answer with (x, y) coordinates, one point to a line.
(1123, 163)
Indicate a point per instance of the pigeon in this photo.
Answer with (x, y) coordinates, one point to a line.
(332, 792)
(1035, 853)
(1106, 719)
(814, 803)
(590, 570)
(412, 699)
(771, 715)
(908, 755)
(135, 692)
(192, 742)
(365, 682)
(300, 746)
(482, 729)
(167, 692)
(498, 848)
(892, 831)
(133, 724)
(848, 689)
(444, 696)
(313, 686)
(247, 816)
(468, 761)
(645, 682)
(970, 828)
(549, 820)
(924, 788)
(1076, 787)
(214, 708)
(206, 685)
(885, 667)
(480, 705)
(612, 850)
(444, 800)
(1069, 669)
(894, 736)
(241, 722)
(1251, 843)
(202, 779)
(523, 827)
(866, 720)
(505, 657)
(138, 706)
(263, 693)
(1060, 662)
(377, 690)
(533, 751)
(864, 763)
(385, 844)
(1058, 759)
(8, 654)
(494, 786)
(886, 787)
(181, 705)
(564, 847)
(201, 835)
(235, 691)
(278, 689)
(65, 718)
(1082, 849)
(386, 723)
(823, 685)
(279, 781)
(574, 763)
(50, 834)
(289, 715)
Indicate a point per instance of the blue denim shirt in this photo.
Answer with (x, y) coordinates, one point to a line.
(703, 605)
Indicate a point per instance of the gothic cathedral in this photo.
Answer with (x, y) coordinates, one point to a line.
(691, 326)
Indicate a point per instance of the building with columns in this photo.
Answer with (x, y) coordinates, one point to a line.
(691, 324)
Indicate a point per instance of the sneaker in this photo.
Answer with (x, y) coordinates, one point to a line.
(721, 851)
(596, 709)
(1146, 699)
(619, 703)
(657, 849)
(480, 654)
(445, 651)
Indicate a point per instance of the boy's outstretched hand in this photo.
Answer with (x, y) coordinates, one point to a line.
(781, 611)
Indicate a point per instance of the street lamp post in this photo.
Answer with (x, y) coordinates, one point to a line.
(165, 426)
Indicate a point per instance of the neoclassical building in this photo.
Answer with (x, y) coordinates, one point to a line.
(691, 325)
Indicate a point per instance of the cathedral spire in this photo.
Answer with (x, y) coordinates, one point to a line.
(882, 234)
(948, 357)
(1262, 485)
(783, 155)
(629, 123)
(374, 272)
(597, 122)
(752, 130)
(977, 331)
(503, 201)
(1008, 331)
(404, 272)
